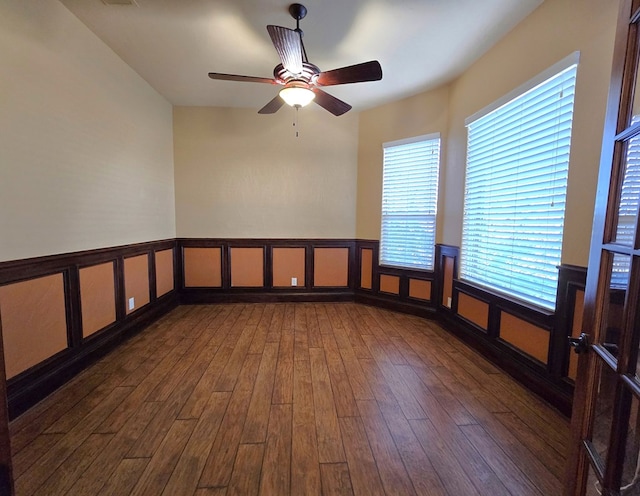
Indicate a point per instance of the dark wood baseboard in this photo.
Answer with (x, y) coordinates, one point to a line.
(31, 386)
(196, 297)
(6, 480)
(395, 304)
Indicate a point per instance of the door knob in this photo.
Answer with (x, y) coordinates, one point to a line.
(579, 344)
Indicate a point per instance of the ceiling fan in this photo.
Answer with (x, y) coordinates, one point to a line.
(301, 79)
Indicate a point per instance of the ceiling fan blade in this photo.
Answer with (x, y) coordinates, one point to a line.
(273, 106)
(330, 102)
(288, 44)
(237, 77)
(359, 73)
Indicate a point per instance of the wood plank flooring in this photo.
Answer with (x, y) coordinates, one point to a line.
(282, 399)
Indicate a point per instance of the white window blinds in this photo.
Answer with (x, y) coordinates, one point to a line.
(409, 198)
(627, 210)
(516, 181)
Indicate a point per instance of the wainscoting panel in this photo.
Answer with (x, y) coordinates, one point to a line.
(448, 276)
(525, 336)
(446, 261)
(474, 310)
(389, 284)
(247, 267)
(97, 297)
(331, 267)
(136, 282)
(165, 273)
(420, 289)
(34, 321)
(366, 268)
(202, 267)
(287, 264)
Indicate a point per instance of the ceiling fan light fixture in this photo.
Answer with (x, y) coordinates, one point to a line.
(297, 95)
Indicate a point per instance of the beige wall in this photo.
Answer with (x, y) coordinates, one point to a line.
(550, 33)
(422, 114)
(87, 147)
(243, 175)
(86, 158)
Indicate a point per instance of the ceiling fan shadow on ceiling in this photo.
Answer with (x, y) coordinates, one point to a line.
(300, 78)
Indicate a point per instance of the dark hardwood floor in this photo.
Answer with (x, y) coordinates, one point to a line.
(284, 399)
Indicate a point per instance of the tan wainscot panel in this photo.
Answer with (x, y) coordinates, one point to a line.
(203, 267)
(474, 310)
(447, 291)
(136, 281)
(576, 329)
(389, 284)
(331, 267)
(288, 263)
(366, 268)
(164, 272)
(420, 289)
(525, 336)
(34, 323)
(247, 267)
(97, 297)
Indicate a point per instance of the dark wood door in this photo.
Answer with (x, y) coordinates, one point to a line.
(604, 455)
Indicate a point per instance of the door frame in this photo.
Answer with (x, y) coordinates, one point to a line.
(6, 467)
(620, 100)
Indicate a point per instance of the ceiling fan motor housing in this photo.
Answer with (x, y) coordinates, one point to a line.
(308, 75)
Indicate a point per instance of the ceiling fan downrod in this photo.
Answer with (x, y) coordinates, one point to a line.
(299, 11)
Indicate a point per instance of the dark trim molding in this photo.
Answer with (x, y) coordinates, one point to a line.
(442, 252)
(534, 315)
(525, 369)
(30, 268)
(384, 300)
(375, 256)
(33, 384)
(549, 380)
(401, 302)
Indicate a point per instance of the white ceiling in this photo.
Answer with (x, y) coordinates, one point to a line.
(420, 44)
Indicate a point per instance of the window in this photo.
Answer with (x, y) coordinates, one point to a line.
(409, 198)
(515, 190)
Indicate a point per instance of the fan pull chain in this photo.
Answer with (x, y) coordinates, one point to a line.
(295, 121)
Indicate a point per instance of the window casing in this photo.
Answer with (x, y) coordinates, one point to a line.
(515, 189)
(409, 201)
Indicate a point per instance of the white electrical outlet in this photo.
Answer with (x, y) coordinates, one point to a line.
(294, 281)
(449, 301)
(132, 303)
